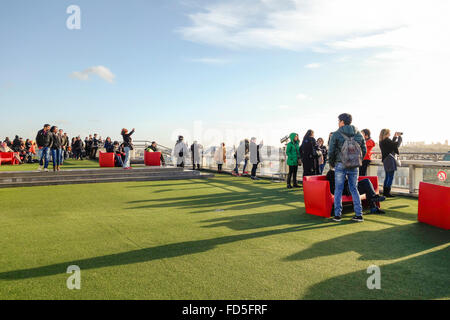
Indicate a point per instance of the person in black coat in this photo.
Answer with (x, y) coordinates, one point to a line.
(389, 148)
(310, 153)
(43, 140)
(16, 144)
(55, 147)
(127, 146)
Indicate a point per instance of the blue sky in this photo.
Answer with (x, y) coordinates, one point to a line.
(224, 70)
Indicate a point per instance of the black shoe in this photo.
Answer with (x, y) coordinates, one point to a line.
(378, 198)
(358, 218)
(387, 192)
(379, 211)
(297, 186)
(337, 218)
(289, 186)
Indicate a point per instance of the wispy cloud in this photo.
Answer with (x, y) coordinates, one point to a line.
(314, 65)
(100, 71)
(303, 97)
(320, 25)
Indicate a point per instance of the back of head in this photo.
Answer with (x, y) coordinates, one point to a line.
(346, 118)
(366, 132)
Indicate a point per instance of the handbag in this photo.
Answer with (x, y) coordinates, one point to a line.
(397, 159)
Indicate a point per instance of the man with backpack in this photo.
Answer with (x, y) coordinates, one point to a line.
(346, 150)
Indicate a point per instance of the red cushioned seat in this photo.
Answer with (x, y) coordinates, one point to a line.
(7, 157)
(152, 158)
(106, 159)
(434, 205)
(318, 198)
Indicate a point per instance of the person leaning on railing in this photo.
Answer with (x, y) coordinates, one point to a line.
(389, 150)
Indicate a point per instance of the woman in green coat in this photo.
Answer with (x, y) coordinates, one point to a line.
(293, 155)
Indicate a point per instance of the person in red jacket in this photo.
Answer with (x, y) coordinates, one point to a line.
(370, 144)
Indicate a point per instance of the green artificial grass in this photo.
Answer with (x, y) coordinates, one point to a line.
(221, 238)
(68, 164)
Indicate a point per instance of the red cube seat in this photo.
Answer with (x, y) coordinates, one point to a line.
(106, 159)
(434, 205)
(8, 157)
(318, 198)
(152, 158)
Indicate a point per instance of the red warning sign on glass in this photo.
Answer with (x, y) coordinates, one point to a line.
(442, 175)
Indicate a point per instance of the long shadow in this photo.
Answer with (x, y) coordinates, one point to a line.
(263, 220)
(421, 277)
(152, 253)
(385, 244)
(254, 196)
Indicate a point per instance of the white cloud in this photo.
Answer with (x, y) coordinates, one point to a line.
(100, 71)
(320, 25)
(303, 97)
(313, 65)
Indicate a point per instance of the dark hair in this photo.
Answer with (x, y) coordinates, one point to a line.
(346, 117)
(366, 132)
(308, 134)
(52, 129)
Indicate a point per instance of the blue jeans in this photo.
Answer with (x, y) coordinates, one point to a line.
(44, 155)
(340, 174)
(245, 165)
(61, 156)
(118, 160)
(388, 179)
(56, 157)
(321, 167)
(126, 163)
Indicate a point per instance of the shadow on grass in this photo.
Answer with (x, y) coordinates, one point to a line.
(250, 196)
(420, 277)
(149, 254)
(385, 244)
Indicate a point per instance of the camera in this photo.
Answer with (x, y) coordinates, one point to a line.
(284, 139)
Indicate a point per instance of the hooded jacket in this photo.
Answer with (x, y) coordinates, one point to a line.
(292, 151)
(337, 141)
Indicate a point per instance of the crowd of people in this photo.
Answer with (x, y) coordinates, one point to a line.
(349, 154)
(24, 151)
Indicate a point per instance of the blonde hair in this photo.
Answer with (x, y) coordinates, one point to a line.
(385, 133)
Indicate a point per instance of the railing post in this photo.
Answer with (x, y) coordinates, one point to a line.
(415, 176)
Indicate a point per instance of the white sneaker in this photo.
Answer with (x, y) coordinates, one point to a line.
(39, 169)
(45, 170)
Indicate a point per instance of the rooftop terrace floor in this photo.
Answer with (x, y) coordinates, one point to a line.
(220, 238)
